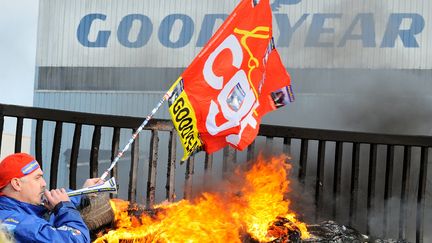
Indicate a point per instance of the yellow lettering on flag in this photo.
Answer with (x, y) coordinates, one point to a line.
(253, 61)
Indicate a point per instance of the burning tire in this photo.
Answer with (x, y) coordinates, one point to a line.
(96, 211)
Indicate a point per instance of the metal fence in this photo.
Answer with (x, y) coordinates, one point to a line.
(369, 175)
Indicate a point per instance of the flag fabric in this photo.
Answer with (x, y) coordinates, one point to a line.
(235, 79)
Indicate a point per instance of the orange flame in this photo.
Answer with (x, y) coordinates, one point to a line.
(251, 207)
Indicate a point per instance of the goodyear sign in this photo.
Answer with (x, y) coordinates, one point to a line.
(330, 33)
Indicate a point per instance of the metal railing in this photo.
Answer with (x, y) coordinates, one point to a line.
(350, 168)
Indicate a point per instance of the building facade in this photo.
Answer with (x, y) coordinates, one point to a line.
(355, 65)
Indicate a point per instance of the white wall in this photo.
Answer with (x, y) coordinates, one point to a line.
(309, 34)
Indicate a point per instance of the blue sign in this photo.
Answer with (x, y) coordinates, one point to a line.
(365, 22)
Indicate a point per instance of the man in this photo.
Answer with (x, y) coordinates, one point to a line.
(22, 187)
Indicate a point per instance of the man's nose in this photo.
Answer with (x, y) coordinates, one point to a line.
(43, 183)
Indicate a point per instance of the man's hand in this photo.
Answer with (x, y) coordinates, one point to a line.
(54, 197)
(92, 182)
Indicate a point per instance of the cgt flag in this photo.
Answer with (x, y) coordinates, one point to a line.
(236, 79)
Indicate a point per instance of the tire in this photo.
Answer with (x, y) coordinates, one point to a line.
(97, 212)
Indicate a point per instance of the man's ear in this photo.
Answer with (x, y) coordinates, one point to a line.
(16, 184)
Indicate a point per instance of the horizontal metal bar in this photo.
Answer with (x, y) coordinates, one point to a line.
(166, 125)
(344, 136)
(84, 118)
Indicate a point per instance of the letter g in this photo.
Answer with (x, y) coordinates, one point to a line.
(83, 32)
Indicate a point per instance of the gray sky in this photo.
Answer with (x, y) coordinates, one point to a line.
(18, 31)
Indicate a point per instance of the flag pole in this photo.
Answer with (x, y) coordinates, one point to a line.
(165, 97)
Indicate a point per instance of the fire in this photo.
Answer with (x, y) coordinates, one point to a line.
(249, 206)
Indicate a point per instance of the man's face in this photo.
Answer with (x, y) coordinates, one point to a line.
(33, 187)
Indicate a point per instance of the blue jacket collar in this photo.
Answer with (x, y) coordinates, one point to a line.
(7, 203)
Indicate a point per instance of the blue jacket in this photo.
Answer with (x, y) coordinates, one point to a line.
(27, 223)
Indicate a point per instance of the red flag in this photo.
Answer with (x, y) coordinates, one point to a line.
(237, 78)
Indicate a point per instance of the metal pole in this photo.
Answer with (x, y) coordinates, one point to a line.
(140, 128)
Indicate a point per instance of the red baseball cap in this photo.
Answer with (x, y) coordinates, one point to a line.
(16, 166)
